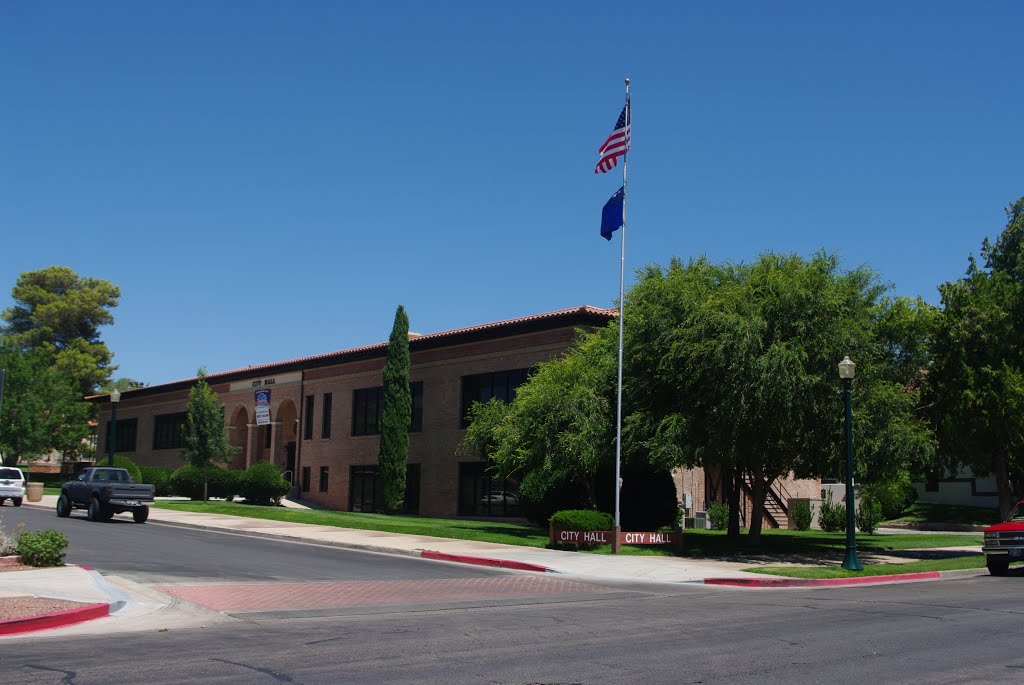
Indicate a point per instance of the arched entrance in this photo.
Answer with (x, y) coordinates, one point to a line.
(238, 436)
(288, 434)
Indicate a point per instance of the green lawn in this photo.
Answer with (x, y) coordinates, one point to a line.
(698, 543)
(944, 513)
(955, 563)
(459, 529)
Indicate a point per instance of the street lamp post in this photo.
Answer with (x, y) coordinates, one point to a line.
(115, 398)
(847, 370)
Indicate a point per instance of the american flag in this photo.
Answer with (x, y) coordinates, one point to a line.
(616, 145)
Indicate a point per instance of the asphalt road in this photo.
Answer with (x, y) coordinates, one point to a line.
(953, 631)
(152, 553)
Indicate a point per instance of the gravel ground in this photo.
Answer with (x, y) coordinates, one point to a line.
(22, 607)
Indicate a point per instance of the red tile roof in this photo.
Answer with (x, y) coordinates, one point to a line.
(418, 341)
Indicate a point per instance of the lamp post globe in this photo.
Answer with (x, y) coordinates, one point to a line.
(115, 399)
(847, 372)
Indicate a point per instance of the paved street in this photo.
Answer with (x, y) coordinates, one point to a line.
(942, 632)
(278, 612)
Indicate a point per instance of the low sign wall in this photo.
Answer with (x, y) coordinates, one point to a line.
(604, 537)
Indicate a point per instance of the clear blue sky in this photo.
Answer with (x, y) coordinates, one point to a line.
(266, 180)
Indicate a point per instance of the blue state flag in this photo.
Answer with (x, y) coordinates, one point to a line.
(611, 215)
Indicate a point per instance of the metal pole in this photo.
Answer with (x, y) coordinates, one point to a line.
(112, 439)
(622, 317)
(850, 563)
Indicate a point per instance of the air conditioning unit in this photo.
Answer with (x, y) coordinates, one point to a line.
(699, 520)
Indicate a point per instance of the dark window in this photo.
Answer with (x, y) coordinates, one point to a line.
(169, 431)
(325, 425)
(323, 479)
(480, 494)
(416, 390)
(266, 436)
(306, 477)
(484, 386)
(365, 495)
(126, 432)
(307, 432)
(368, 405)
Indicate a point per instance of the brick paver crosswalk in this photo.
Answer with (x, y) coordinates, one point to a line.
(329, 594)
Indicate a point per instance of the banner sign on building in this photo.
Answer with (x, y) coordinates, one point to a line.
(263, 407)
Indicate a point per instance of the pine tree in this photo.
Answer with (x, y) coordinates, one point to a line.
(206, 437)
(396, 416)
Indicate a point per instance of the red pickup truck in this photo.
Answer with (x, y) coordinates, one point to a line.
(1004, 542)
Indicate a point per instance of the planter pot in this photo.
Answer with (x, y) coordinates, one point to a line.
(34, 492)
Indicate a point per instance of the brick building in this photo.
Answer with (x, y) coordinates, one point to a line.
(323, 415)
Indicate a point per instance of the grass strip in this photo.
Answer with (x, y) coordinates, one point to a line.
(697, 543)
(956, 563)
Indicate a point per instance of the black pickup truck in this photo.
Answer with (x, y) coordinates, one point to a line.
(103, 492)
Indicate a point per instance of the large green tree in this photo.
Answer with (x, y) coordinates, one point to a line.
(206, 441)
(60, 313)
(396, 416)
(559, 431)
(977, 379)
(734, 366)
(41, 411)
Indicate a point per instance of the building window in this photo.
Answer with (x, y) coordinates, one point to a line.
(416, 390)
(323, 479)
(307, 431)
(365, 495)
(484, 386)
(169, 431)
(306, 477)
(368, 405)
(325, 425)
(482, 495)
(266, 436)
(127, 429)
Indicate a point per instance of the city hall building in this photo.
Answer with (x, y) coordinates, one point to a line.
(319, 420)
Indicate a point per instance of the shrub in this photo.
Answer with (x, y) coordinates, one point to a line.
(869, 514)
(832, 516)
(894, 497)
(223, 483)
(124, 463)
(582, 519)
(801, 513)
(718, 515)
(263, 483)
(45, 548)
(188, 482)
(158, 477)
(648, 499)
(9, 541)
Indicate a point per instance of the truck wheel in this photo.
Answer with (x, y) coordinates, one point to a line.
(95, 511)
(140, 515)
(16, 501)
(998, 567)
(63, 507)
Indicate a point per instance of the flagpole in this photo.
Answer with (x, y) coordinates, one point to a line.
(622, 317)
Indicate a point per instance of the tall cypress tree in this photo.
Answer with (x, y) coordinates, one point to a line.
(396, 416)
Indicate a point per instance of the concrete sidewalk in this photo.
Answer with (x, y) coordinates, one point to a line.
(84, 586)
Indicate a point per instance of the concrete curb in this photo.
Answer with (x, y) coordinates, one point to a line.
(59, 619)
(484, 561)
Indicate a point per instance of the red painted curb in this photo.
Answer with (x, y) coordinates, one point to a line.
(820, 582)
(483, 561)
(57, 619)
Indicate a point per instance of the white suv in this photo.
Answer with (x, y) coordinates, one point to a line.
(12, 485)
